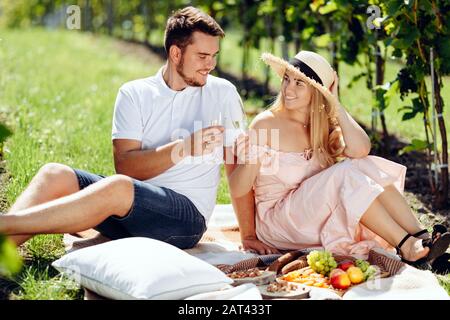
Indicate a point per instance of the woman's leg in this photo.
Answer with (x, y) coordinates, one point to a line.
(378, 220)
(397, 207)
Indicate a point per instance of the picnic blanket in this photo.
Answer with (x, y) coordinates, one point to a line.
(220, 246)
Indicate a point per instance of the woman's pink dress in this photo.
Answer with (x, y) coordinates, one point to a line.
(300, 205)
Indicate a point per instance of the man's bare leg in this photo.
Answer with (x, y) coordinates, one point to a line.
(52, 181)
(82, 210)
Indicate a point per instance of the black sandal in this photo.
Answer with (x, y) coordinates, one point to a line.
(438, 228)
(441, 265)
(437, 245)
(421, 263)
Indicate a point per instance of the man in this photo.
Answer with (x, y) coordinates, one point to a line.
(165, 154)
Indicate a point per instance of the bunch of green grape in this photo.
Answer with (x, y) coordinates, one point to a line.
(321, 261)
(362, 264)
(370, 271)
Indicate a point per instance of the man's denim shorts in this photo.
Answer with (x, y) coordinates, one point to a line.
(157, 213)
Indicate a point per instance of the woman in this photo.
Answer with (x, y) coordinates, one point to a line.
(304, 195)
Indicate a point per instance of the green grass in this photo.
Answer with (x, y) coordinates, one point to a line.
(444, 281)
(37, 284)
(57, 93)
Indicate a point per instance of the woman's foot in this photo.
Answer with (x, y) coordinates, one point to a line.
(427, 236)
(438, 242)
(413, 250)
(421, 253)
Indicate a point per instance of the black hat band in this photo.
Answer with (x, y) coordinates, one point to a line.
(303, 67)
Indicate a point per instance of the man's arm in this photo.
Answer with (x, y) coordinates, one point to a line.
(244, 207)
(130, 160)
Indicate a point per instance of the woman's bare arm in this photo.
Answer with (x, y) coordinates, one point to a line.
(357, 142)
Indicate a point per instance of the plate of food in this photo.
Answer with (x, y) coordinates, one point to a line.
(306, 276)
(285, 290)
(253, 275)
(339, 281)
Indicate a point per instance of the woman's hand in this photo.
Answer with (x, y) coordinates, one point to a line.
(253, 244)
(246, 150)
(249, 156)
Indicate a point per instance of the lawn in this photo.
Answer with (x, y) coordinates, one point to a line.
(57, 92)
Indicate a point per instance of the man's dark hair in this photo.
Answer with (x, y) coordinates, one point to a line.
(182, 24)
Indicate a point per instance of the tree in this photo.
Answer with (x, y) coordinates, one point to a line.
(415, 29)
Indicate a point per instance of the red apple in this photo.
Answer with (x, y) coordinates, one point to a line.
(339, 280)
(345, 265)
(336, 272)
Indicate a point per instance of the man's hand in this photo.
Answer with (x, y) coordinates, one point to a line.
(204, 141)
(253, 244)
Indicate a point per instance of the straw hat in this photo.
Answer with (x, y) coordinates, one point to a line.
(310, 67)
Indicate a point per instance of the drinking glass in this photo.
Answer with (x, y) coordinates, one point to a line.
(216, 155)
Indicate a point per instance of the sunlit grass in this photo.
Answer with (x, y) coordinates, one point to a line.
(57, 93)
(444, 281)
(36, 284)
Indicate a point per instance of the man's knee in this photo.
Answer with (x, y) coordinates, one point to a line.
(120, 182)
(121, 189)
(58, 177)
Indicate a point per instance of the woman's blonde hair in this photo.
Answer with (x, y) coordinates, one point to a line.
(326, 135)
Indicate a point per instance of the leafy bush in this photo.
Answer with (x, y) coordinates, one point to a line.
(10, 261)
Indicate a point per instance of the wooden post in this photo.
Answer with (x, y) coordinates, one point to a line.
(434, 117)
(110, 16)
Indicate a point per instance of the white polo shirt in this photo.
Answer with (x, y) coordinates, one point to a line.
(149, 111)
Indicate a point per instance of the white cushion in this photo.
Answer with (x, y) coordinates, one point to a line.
(141, 268)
